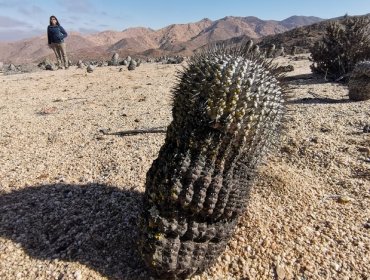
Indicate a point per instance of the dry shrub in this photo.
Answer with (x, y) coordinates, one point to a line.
(345, 43)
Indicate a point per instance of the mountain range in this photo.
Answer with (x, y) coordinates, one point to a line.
(175, 39)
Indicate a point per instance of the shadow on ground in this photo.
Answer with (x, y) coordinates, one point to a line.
(317, 100)
(306, 79)
(95, 225)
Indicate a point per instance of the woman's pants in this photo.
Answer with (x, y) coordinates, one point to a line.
(60, 53)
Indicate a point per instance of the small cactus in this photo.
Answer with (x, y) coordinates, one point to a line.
(80, 64)
(132, 65)
(114, 60)
(359, 83)
(248, 46)
(280, 52)
(124, 62)
(227, 108)
(255, 49)
(271, 51)
(90, 68)
(294, 50)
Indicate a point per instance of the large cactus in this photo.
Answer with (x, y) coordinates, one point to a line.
(226, 112)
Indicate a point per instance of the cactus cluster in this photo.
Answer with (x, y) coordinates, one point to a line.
(345, 43)
(227, 109)
(272, 52)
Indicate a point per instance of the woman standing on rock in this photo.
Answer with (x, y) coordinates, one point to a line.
(56, 35)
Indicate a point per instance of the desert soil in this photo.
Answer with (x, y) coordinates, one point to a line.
(70, 195)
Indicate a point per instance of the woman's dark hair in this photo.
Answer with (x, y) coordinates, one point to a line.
(55, 18)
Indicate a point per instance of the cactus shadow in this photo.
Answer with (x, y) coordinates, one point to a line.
(95, 225)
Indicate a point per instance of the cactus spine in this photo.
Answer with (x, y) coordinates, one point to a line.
(227, 108)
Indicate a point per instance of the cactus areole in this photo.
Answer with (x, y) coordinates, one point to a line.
(227, 108)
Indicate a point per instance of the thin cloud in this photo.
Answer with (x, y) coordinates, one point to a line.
(28, 11)
(10, 4)
(19, 34)
(74, 18)
(73, 6)
(68, 21)
(90, 22)
(120, 17)
(7, 22)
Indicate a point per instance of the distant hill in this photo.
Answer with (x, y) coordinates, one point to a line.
(296, 21)
(180, 39)
(302, 37)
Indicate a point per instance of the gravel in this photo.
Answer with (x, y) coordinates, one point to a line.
(70, 195)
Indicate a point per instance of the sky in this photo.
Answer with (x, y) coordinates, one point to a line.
(21, 19)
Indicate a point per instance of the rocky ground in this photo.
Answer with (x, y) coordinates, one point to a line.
(71, 189)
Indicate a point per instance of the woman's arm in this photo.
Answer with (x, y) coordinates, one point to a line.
(63, 32)
(49, 40)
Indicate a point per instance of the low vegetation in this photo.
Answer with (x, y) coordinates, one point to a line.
(345, 43)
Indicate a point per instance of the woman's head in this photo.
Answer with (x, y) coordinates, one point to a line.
(53, 20)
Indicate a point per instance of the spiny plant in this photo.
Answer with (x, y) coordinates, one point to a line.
(294, 50)
(359, 83)
(271, 51)
(227, 109)
(114, 60)
(132, 65)
(345, 43)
